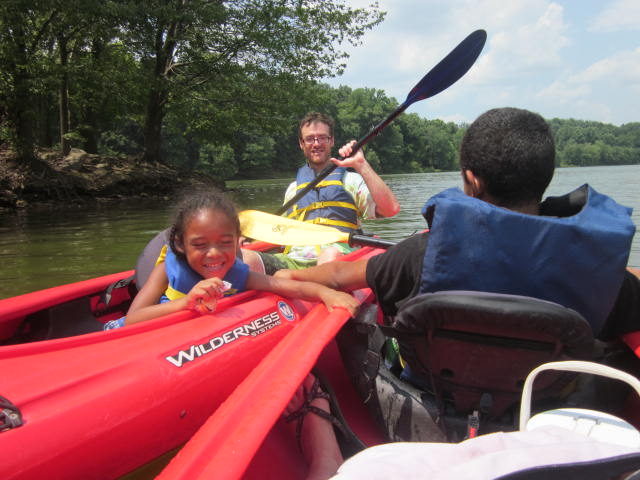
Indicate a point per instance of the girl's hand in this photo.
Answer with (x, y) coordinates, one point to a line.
(203, 297)
(334, 298)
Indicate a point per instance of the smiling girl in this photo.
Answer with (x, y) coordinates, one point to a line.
(200, 265)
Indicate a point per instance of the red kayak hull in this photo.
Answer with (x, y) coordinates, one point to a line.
(100, 405)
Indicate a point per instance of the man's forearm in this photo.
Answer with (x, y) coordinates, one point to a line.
(386, 203)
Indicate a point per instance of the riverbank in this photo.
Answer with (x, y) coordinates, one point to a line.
(81, 178)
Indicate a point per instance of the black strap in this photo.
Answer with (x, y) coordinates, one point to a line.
(309, 396)
(123, 282)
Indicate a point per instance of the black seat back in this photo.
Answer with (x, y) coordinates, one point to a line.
(469, 344)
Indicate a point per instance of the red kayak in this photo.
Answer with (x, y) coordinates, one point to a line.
(102, 404)
(246, 437)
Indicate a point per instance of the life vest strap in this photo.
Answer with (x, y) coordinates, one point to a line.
(173, 294)
(162, 255)
(317, 205)
(324, 183)
(300, 213)
(335, 223)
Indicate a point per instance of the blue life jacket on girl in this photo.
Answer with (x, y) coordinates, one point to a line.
(576, 260)
(328, 203)
(182, 278)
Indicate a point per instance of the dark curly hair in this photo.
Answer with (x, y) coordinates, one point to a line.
(513, 151)
(190, 205)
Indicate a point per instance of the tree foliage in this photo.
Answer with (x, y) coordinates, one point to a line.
(585, 143)
(156, 58)
(219, 86)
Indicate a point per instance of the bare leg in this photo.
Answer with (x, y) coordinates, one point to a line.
(319, 444)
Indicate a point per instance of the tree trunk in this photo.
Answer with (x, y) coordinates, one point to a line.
(22, 120)
(90, 128)
(153, 124)
(90, 133)
(64, 95)
(165, 45)
(20, 102)
(193, 153)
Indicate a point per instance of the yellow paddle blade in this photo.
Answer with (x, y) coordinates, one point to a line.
(284, 231)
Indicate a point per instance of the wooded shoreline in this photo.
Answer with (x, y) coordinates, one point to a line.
(158, 93)
(80, 178)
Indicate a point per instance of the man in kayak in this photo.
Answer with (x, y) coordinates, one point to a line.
(498, 236)
(340, 200)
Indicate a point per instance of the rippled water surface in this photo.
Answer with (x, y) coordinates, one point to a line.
(44, 248)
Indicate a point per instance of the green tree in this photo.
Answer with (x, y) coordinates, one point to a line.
(359, 111)
(258, 154)
(218, 160)
(440, 151)
(24, 31)
(184, 44)
(414, 133)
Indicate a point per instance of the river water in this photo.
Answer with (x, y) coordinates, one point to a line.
(44, 248)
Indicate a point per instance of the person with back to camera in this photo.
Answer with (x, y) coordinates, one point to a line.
(200, 265)
(498, 236)
(339, 201)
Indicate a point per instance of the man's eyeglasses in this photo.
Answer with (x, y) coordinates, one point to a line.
(321, 139)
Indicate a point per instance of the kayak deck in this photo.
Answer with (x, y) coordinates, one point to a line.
(103, 404)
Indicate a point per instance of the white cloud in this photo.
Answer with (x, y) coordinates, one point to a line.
(622, 68)
(522, 41)
(523, 37)
(619, 15)
(457, 119)
(540, 54)
(605, 90)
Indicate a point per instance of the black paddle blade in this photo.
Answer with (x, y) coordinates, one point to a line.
(450, 69)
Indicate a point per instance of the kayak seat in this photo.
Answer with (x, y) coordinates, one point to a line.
(463, 352)
(147, 258)
(86, 314)
(474, 350)
(67, 319)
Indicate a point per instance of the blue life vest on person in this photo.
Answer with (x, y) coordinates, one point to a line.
(328, 203)
(182, 278)
(577, 261)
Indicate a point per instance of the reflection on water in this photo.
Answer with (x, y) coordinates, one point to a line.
(40, 249)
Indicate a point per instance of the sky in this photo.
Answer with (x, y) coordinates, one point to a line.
(565, 58)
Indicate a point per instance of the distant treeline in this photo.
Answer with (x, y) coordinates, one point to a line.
(219, 87)
(583, 143)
